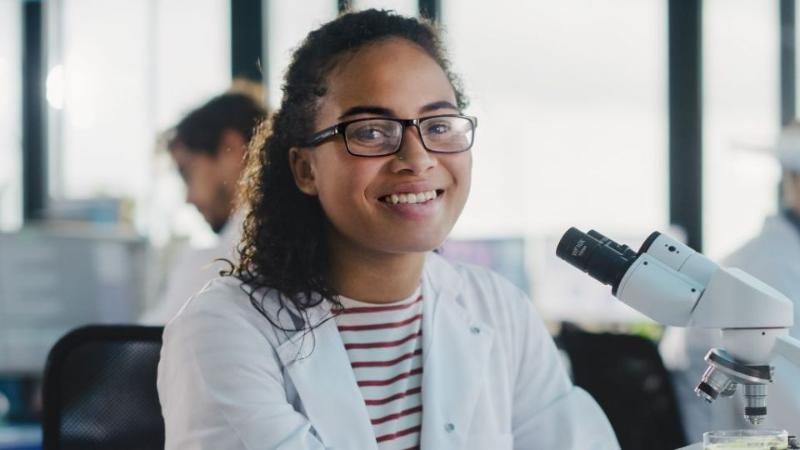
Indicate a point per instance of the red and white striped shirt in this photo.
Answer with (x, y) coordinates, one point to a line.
(384, 344)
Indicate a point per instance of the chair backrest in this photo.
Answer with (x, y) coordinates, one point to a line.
(100, 390)
(626, 376)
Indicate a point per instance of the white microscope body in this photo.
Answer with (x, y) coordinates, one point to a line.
(674, 285)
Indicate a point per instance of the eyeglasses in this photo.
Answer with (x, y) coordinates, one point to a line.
(447, 133)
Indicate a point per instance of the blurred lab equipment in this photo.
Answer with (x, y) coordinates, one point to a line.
(55, 278)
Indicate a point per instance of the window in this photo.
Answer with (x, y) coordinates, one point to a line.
(571, 100)
(287, 24)
(120, 72)
(741, 113)
(10, 115)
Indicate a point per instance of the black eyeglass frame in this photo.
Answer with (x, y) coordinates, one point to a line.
(339, 128)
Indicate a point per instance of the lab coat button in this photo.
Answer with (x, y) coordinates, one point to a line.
(475, 330)
(449, 427)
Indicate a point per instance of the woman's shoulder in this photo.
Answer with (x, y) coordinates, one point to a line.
(470, 276)
(225, 295)
(480, 289)
(488, 299)
(226, 303)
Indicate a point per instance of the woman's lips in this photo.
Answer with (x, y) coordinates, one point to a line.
(411, 197)
(416, 210)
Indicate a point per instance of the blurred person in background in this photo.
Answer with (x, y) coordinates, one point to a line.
(208, 147)
(772, 256)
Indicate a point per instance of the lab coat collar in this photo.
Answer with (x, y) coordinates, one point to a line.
(456, 349)
(318, 366)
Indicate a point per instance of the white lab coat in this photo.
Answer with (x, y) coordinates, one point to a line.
(774, 257)
(193, 268)
(492, 376)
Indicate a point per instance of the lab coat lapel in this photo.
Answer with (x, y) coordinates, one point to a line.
(320, 370)
(456, 352)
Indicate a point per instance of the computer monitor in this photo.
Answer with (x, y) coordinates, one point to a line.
(54, 279)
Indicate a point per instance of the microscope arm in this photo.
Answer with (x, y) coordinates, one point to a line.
(728, 299)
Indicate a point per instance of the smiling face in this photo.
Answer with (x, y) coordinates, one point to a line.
(363, 198)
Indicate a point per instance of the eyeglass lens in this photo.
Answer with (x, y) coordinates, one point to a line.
(382, 136)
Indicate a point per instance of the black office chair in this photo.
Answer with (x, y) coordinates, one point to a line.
(626, 376)
(99, 390)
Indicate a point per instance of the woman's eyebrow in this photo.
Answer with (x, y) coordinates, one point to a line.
(367, 109)
(387, 112)
(443, 104)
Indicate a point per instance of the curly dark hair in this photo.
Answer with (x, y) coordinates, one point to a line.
(283, 245)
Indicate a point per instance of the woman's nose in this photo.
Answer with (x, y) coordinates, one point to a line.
(412, 155)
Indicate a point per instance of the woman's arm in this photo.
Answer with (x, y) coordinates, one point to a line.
(548, 411)
(221, 386)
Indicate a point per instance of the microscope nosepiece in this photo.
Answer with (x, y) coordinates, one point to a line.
(724, 374)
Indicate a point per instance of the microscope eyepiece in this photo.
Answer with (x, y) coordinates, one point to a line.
(603, 259)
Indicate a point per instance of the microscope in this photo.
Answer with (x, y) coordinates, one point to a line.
(674, 285)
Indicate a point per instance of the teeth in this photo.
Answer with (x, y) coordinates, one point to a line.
(419, 197)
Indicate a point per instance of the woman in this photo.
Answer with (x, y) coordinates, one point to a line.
(340, 328)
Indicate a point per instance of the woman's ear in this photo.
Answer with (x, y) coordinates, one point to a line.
(303, 170)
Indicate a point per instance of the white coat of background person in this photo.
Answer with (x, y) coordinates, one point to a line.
(774, 257)
(208, 148)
